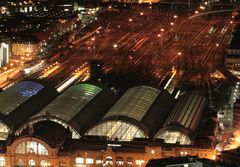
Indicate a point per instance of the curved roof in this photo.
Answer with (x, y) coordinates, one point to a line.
(174, 134)
(45, 129)
(144, 106)
(22, 100)
(185, 116)
(139, 112)
(72, 101)
(134, 103)
(158, 113)
(17, 94)
(79, 107)
(188, 110)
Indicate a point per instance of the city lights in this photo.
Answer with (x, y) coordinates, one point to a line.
(126, 83)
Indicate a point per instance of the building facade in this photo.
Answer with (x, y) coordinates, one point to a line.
(236, 114)
(25, 48)
(4, 53)
(34, 151)
(89, 125)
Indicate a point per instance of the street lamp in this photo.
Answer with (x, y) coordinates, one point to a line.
(141, 13)
(130, 20)
(159, 35)
(115, 46)
(175, 16)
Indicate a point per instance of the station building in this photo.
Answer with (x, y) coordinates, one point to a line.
(236, 114)
(5, 50)
(89, 125)
(232, 58)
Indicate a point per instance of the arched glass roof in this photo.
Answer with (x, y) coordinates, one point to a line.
(16, 95)
(187, 112)
(4, 131)
(75, 134)
(71, 102)
(134, 103)
(183, 120)
(119, 130)
(174, 137)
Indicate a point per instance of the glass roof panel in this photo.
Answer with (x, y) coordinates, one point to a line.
(16, 95)
(187, 109)
(135, 102)
(71, 102)
(4, 131)
(117, 130)
(174, 137)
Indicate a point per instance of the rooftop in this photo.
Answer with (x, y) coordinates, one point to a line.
(182, 161)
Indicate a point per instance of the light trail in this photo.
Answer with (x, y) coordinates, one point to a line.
(69, 81)
(212, 12)
(34, 69)
(49, 71)
(170, 80)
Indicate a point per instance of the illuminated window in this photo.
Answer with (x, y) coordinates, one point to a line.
(129, 162)
(42, 150)
(2, 162)
(44, 163)
(139, 162)
(79, 160)
(89, 160)
(174, 137)
(119, 161)
(31, 147)
(99, 161)
(109, 160)
(20, 148)
(62, 164)
(31, 163)
(20, 163)
(119, 130)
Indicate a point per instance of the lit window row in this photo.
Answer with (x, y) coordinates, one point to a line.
(174, 137)
(117, 130)
(31, 147)
(109, 161)
(32, 163)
